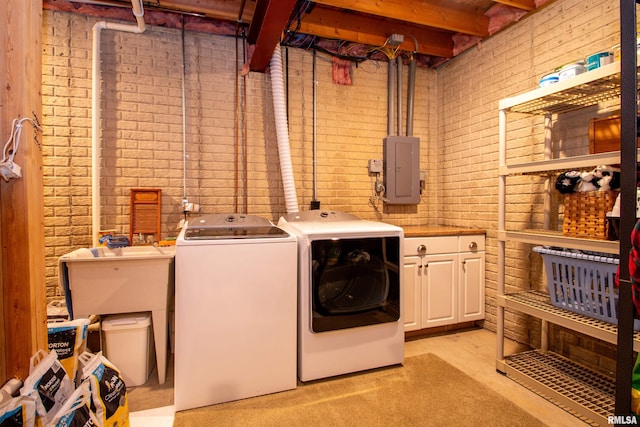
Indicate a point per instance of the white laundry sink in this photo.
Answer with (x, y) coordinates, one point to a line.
(122, 280)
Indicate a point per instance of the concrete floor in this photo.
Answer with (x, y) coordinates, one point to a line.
(471, 351)
(474, 352)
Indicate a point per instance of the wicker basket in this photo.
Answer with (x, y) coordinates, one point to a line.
(585, 213)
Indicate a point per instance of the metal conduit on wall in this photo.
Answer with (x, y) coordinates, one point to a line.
(96, 99)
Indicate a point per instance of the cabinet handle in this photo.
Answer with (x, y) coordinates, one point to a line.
(422, 249)
(473, 245)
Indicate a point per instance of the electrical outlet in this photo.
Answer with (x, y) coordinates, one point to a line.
(375, 166)
(10, 170)
(423, 180)
(191, 207)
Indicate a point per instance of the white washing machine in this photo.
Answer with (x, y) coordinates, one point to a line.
(350, 276)
(235, 310)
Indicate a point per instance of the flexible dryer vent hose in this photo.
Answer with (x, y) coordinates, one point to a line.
(282, 131)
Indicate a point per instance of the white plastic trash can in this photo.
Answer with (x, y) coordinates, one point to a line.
(128, 344)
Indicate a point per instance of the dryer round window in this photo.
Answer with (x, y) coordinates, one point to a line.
(355, 282)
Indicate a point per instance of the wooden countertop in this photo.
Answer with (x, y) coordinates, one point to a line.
(437, 230)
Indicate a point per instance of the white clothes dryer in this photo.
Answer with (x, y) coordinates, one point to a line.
(350, 280)
(235, 310)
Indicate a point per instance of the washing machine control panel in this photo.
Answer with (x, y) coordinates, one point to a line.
(320, 215)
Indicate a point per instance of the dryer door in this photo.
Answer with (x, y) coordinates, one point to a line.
(355, 282)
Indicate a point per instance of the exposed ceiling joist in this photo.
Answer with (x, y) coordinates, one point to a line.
(441, 29)
(433, 14)
(341, 25)
(527, 5)
(265, 31)
(228, 10)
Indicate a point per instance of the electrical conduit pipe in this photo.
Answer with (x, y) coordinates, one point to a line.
(411, 86)
(282, 131)
(138, 12)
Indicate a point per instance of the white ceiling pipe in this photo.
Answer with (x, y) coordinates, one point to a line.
(138, 12)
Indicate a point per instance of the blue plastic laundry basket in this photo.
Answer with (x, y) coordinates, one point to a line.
(582, 282)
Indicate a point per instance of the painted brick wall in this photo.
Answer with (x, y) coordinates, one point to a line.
(142, 131)
(510, 63)
(456, 119)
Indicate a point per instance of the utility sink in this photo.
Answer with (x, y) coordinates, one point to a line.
(122, 280)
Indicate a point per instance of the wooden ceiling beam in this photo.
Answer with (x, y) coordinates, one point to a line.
(527, 5)
(269, 21)
(336, 24)
(420, 12)
(228, 10)
(151, 17)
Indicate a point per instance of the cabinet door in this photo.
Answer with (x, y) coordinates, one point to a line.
(411, 307)
(471, 286)
(440, 290)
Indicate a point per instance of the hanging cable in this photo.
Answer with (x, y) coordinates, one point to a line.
(315, 204)
(184, 130)
(8, 168)
(244, 123)
(237, 124)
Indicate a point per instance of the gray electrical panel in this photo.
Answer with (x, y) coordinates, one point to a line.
(402, 169)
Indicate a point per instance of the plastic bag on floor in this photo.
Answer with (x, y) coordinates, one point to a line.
(108, 390)
(18, 412)
(76, 412)
(69, 340)
(48, 384)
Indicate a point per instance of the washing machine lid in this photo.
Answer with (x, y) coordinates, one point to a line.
(231, 226)
(320, 215)
(328, 223)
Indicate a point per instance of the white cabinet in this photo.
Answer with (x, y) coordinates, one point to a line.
(412, 300)
(471, 278)
(443, 280)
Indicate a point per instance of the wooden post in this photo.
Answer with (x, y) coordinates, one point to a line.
(23, 309)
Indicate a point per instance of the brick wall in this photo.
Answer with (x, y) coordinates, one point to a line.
(456, 119)
(142, 131)
(510, 63)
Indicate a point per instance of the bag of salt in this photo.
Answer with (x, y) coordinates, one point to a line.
(48, 384)
(76, 411)
(108, 390)
(18, 412)
(68, 339)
